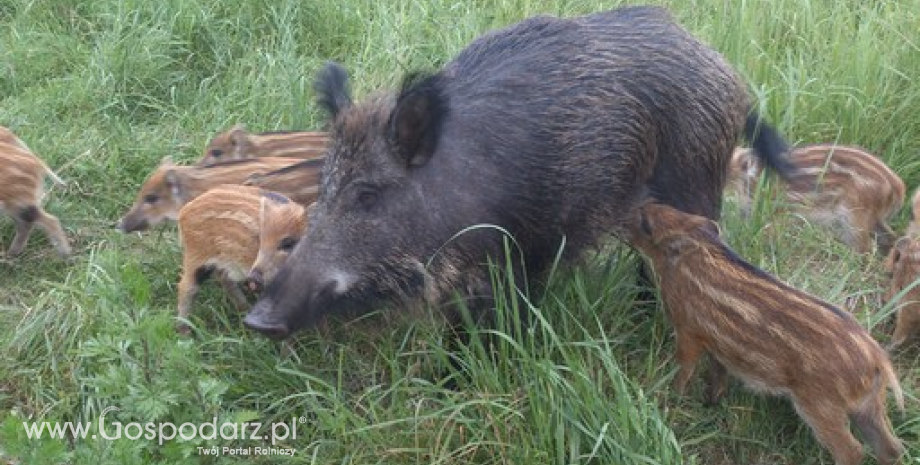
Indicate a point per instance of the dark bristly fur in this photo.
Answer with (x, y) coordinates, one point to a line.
(331, 85)
(547, 129)
(775, 338)
(769, 144)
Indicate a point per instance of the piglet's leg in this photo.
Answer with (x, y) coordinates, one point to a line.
(906, 323)
(25, 220)
(689, 352)
(871, 420)
(884, 237)
(52, 228)
(830, 423)
(237, 298)
(716, 382)
(188, 289)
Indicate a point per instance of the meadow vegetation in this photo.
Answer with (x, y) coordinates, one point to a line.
(103, 89)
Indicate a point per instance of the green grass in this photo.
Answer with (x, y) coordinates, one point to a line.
(104, 89)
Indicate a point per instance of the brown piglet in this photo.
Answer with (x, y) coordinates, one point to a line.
(299, 182)
(777, 339)
(845, 188)
(22, 177)
(281, 224)
(237, 233)
(237, 144)
(219, 232)
(903, 264)
(171, 186)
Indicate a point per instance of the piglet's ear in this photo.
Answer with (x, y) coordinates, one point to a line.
(275, 198)
(415, 123)
(174, 184)
(712, 228)
(896, 252)
(332, 90)
(271, 201)
(238, 135)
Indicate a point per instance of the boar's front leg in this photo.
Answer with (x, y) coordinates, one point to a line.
(466, 316)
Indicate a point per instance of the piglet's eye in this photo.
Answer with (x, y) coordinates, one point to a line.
(151, 198)
(217, 153)
(287, 244)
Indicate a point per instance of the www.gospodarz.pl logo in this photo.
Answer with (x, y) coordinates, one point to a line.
(162, 432)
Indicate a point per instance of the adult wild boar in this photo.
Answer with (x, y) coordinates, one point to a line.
(549, 129)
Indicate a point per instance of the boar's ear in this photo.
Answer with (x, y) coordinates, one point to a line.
(416, 120)
(331, 88)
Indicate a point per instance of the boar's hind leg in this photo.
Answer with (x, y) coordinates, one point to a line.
(25, 220)
(830, 424)
(872, 421)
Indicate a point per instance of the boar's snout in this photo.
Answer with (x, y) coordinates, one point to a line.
(260, 319)
(289, 302)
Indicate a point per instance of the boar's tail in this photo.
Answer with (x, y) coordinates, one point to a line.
(769, 146)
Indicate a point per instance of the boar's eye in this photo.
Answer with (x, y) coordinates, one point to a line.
(217, 153)
(151, 198)
(287, 244)
(367, 199)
